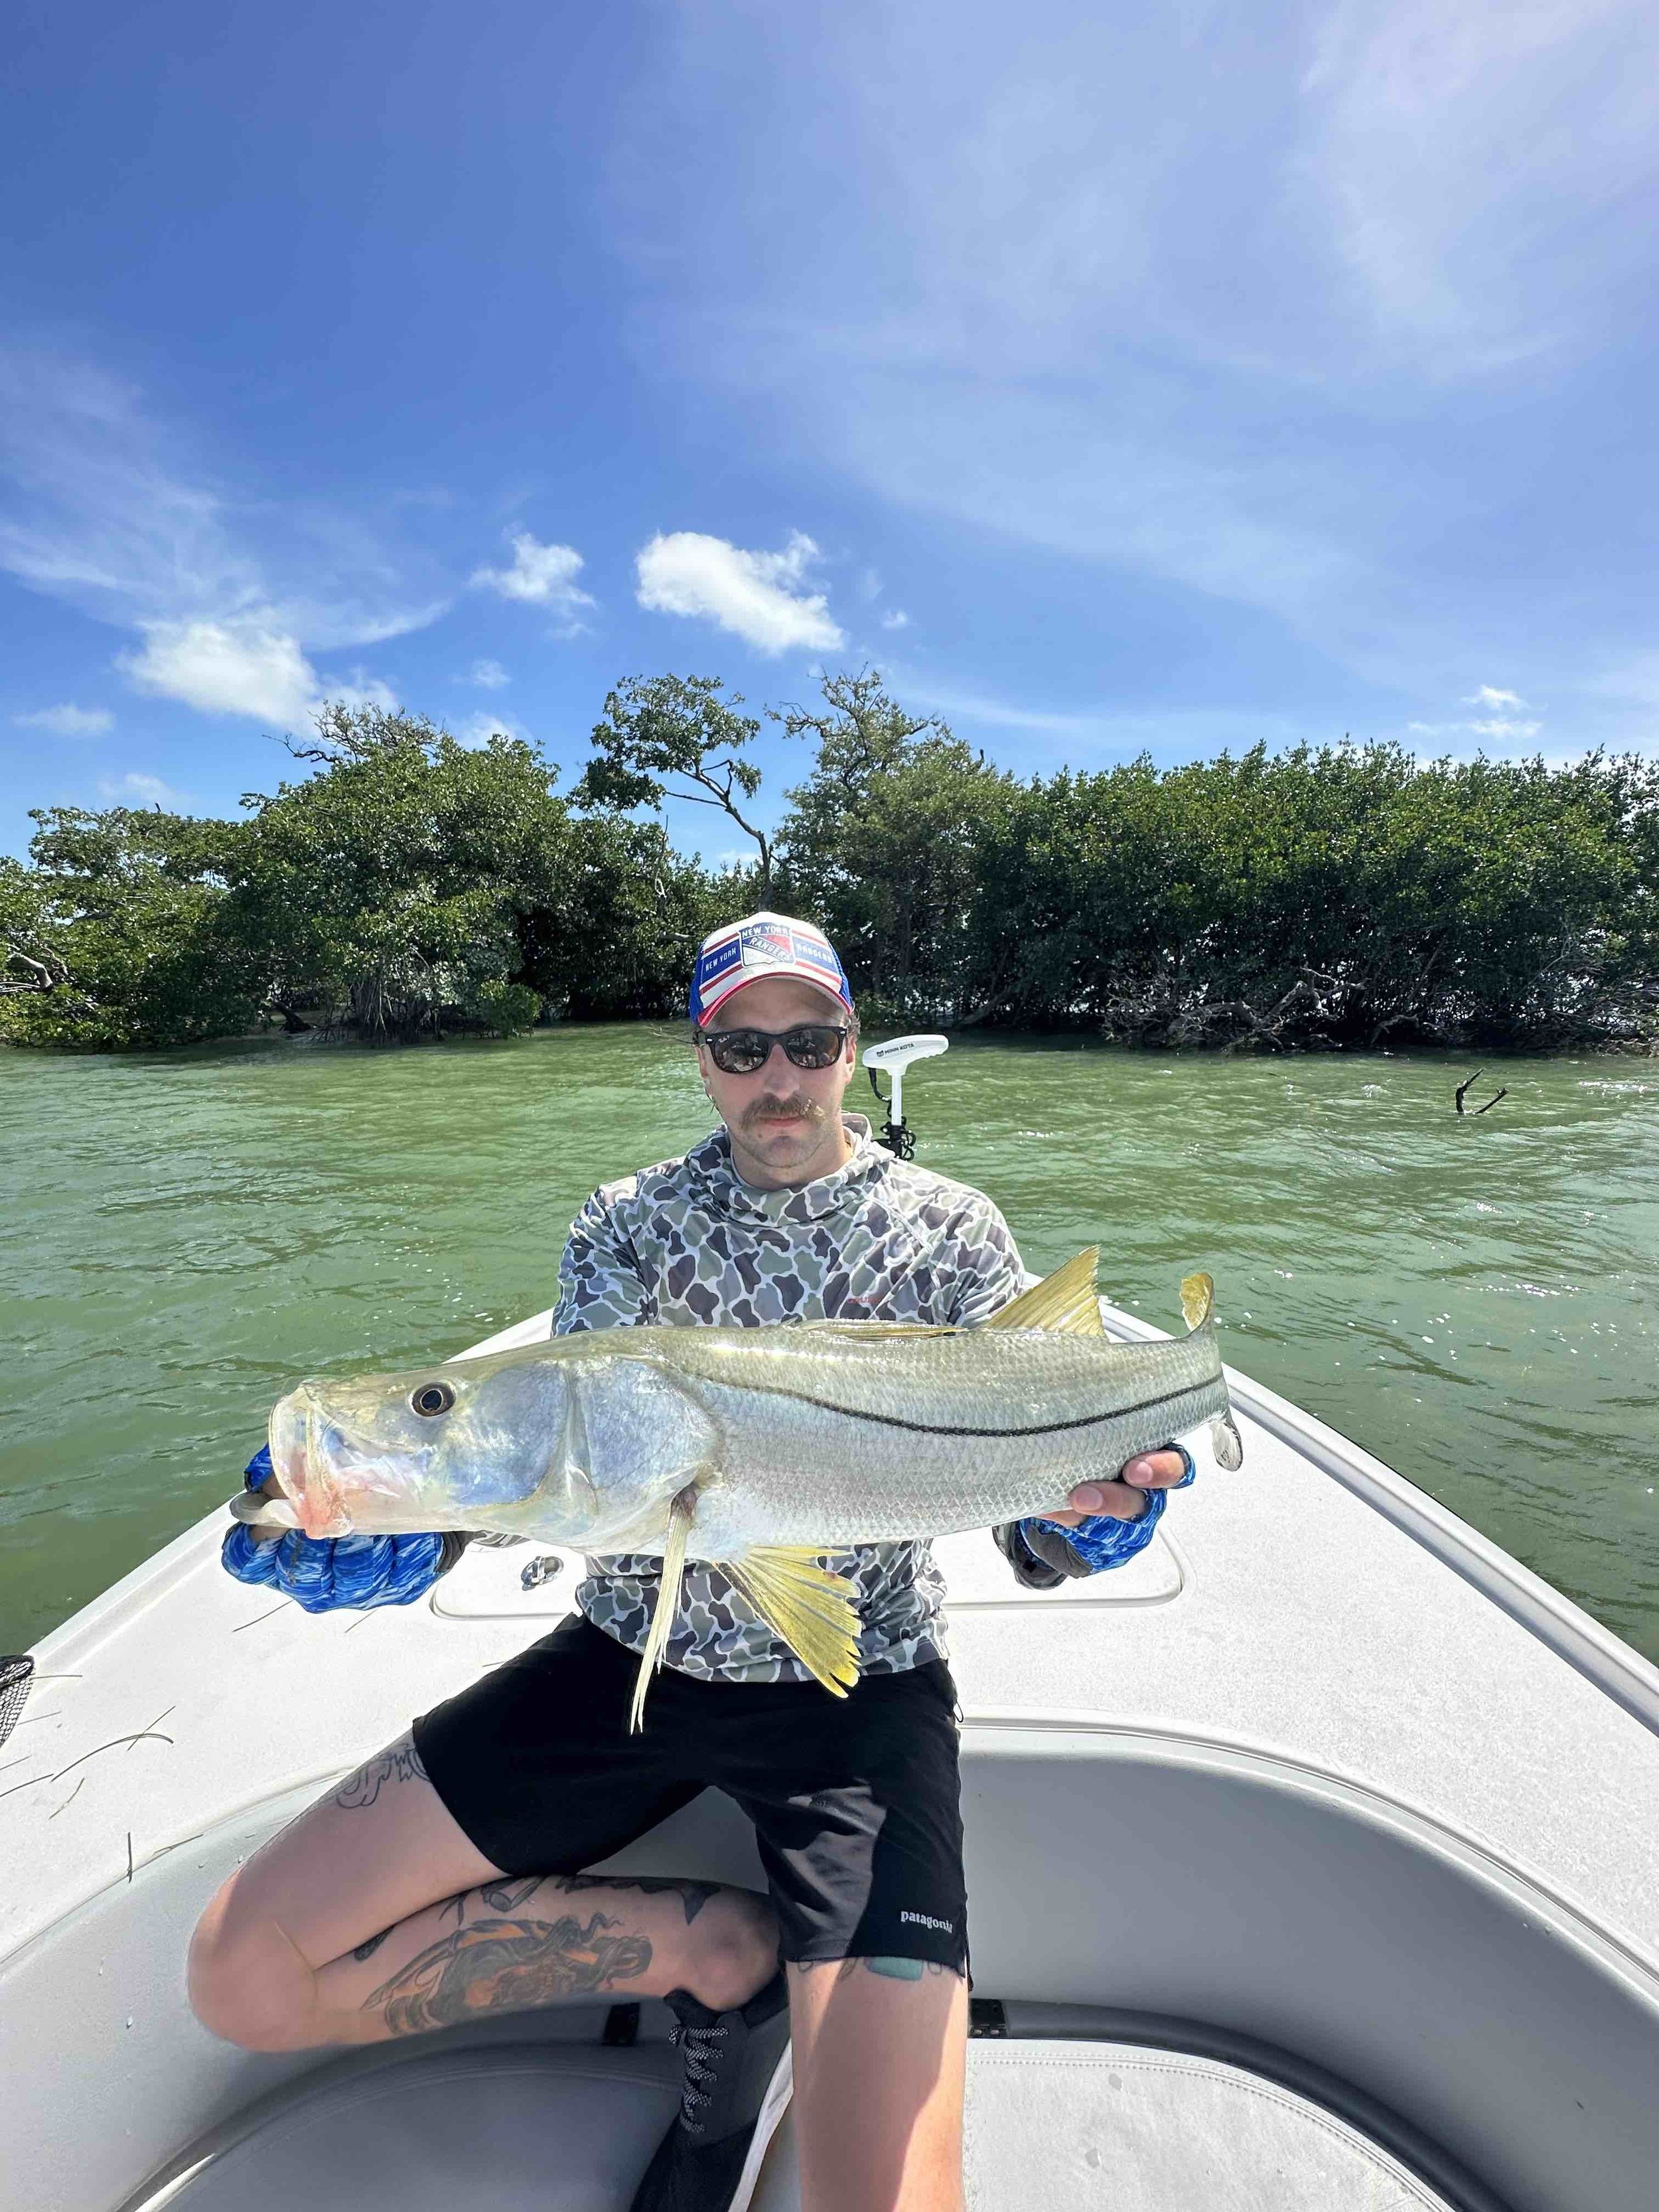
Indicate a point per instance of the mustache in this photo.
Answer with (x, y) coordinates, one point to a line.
(782, 1109)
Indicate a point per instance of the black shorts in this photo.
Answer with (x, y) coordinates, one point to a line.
(856, 1801)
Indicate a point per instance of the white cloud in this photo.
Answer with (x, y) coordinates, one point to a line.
(67, 721)
(750, 594)
(897, 620)
(136, 790)
(220, 669)
(488, 675)
(478, 729)
(541, 576)
(1487, 695)
(248, 667)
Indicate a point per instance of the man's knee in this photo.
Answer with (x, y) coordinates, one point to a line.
(733, 1943)
(247, 1984)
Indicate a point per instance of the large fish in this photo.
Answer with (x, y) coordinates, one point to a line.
(758, 1449)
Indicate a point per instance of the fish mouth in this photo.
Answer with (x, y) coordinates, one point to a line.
(341, 1484)
(314, 1464)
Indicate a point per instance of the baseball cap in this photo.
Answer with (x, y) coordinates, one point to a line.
(763, 944)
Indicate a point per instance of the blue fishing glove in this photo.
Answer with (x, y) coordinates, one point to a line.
(1043, 1553)
(323, 1574)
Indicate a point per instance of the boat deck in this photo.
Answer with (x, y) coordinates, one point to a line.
(1291, 1786)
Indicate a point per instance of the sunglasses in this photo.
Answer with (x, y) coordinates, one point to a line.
(745, 1051)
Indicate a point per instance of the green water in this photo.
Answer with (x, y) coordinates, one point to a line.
(187, 1232)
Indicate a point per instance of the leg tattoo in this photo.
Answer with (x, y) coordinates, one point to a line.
(892, 1969)
(401, 1762)
(507, 1965)
(693, 1895)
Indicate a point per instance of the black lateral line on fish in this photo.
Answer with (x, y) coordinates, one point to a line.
(940, 1428)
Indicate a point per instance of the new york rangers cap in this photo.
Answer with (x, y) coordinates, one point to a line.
(763, 945)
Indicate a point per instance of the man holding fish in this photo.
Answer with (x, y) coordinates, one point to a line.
(755, 1499)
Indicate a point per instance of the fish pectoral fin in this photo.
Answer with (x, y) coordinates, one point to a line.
(680, 1513)
(1064, 1301)
(806, 1607)
(1197, 1299)
(1226, 1443)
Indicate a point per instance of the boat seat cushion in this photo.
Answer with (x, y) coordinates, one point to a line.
(1092, 2125)
(553, 2129)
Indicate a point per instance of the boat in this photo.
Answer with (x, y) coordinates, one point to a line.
(1313, 1861)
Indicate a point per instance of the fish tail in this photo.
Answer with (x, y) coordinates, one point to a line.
(1198, 1300)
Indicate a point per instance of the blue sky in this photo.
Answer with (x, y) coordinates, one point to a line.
(1113, 380)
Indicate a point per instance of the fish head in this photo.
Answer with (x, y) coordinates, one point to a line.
(459, 1445)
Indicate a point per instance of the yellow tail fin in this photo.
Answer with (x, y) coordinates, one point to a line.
(1197, 1299)
(810, 1608)
(1064, 1301)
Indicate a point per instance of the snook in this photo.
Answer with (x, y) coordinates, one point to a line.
(756, 1448)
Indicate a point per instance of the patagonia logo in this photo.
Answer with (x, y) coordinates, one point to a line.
(926, 1920)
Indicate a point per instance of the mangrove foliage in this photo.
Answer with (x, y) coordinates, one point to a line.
(401, 885)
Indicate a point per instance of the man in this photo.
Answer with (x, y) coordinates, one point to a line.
(446, 1878)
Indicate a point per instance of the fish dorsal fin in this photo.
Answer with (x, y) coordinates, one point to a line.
(668, 1600)
(804, 1604)
(1197, 1299)
(1064, 1301)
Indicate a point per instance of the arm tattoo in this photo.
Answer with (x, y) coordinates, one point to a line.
(367, 1950)
(400, 1763)
(504, 1966)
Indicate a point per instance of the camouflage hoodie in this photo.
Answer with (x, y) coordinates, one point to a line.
(687, 1241)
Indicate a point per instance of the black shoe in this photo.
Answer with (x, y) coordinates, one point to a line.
(736, 2089)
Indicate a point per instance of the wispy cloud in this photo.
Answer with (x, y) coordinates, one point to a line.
(540, 576)
(896, 620)
(68, 721)
(134, 789)
(1112, 732)
(102, 510)
(1506, 731)
(991, 713)
(1467, 159)
(1502, 722)
(1200, 300)
(755, 596)
(488, 675)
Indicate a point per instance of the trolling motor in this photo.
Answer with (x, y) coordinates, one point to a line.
(895, 1056)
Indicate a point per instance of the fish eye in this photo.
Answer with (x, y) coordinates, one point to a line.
(432, 1398)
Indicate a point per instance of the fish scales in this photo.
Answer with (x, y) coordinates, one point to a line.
(844, 1441)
